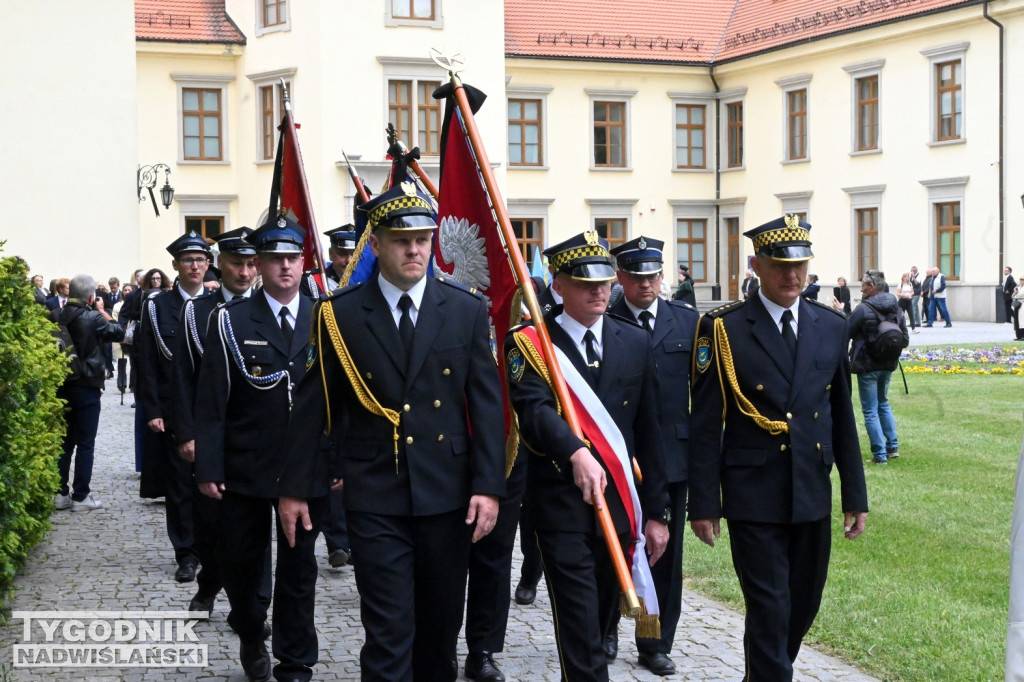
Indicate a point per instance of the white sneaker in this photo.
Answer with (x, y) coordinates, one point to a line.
(88, 504)
(62, 502)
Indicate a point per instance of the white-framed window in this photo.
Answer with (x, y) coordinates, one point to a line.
(269, 98)
(865, 112)
(692, 225)
(527, 127)
(946, 213)
(273, 15)
(866, 223)
(529, 218)
(947, 66)
(414, 13)
(416, 115)
(610, 146)
(690, 126)
(796, 203)
(207, 214)
(202, 118)
(796, 103)
(612, 219)
(732, 138)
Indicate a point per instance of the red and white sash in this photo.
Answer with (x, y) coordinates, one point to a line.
(609, 445)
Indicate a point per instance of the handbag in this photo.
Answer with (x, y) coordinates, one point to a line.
(129, 332)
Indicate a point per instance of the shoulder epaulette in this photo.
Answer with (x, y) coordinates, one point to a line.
(341, 291)
(829, 308)
(684, 305)
(235, 301)
(725, 309)
(445, 279)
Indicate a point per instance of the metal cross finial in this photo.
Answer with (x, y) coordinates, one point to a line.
(453, 64)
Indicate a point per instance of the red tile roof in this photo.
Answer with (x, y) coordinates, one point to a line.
(188, 21)
(689, 31)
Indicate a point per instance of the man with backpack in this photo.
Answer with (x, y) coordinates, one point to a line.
(878, 332)
(86, 328)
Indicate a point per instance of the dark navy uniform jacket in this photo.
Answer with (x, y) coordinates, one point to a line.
(188, 355)
(451, 429)
(240, 421)
(741, 471)
(156, 344)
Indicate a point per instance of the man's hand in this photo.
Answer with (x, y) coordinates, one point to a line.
(853, 523)
(292, 510)
(656, 534)
(156, 425)
(707, 530)
(213, 490)
(483, 510)
(187, 451)
(588, 475)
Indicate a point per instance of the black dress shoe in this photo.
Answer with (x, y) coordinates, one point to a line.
(337, 557)
(526, 594)
(186, 572)
(482, 668)
(267, 630)
(657, 663)
(611, 645)
(200, 603)
(255, 660)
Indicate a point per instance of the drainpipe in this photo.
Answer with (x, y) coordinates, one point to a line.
(716, 290)
(1002, 187)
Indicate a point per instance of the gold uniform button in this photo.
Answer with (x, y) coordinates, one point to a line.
(406, 408)
(625, 403)
(789, 415)
(782, 448)
(440, 438)
(369, 375)
(409, 440)
(829, 387)
(437, 403)
(815, 415)
(759, 387)
(819, 446)
(446, 371)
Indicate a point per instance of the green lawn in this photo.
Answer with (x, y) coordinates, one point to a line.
(923, 593)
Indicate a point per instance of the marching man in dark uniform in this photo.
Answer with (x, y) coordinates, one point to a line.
(238, 271)
(771, 415)
(255, 354)
(616, 386)
(164, 473)
(343, 244)
(671, 327)
(405, 379)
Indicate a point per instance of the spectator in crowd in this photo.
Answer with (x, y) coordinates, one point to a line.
(915, 300)
(1009, 286)
(750, 284)
(136, 280)
(937, 298)
(684, 292)
(40, 292)
(1018, 298)
(89, 326)
(905, 297)
(873, 375)
(926, 298)
(843, 296)
(811, 292)
(60, 294)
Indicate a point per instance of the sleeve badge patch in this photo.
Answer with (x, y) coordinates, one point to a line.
(703, 354)
(310, 355)
(516, 364)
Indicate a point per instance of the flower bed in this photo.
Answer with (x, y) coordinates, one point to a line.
(951, 360)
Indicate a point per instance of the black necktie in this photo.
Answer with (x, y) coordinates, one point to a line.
(593, 362)
(645, 320)
(788, 335)
(286, 327)
(405, 325)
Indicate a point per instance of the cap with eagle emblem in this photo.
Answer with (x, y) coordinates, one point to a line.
(583, 257)
(783, 239)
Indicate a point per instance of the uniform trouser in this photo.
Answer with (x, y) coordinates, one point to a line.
(584, 593)
(411, 575)
(667, 576)
(208, 533)
(531, 569)
(335, 526)
(180, 491)
(490, 571)
(246, 522)
(782, 570)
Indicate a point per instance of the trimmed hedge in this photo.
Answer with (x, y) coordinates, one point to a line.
(31, 421)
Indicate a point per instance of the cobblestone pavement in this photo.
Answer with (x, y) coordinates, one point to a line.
(119, 558)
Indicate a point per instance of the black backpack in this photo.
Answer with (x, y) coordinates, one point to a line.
(885, 343)
(65, 343)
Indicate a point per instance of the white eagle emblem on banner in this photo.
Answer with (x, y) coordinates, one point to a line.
(462, 245)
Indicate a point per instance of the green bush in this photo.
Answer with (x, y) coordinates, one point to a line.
(31, 421)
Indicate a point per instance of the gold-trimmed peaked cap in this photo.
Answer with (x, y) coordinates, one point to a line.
(583, 257)
(785, 239)
(640, 256)
(400, 208)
